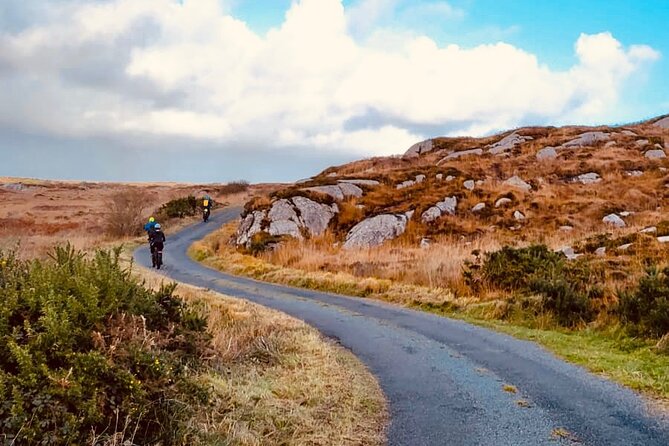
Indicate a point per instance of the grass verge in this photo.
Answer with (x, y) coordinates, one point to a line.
(609, 353)
(276, 380)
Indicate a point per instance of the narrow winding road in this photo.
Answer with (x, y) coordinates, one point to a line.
(444, 379)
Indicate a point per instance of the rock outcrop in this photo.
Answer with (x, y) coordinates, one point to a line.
(519, 183)
(655, 154)
(408, 183)
(588, 178)
(507, 143)
(503, 202)
(614, 220)
(587, 139)
(251, 225)
(370, 183)
(460, 154)
(547, 153)
(479, 207)
(662, 123)
(446, 207)
(376, 230)
(339, 191)
(469, 185)
(419, 148)
(290, 217)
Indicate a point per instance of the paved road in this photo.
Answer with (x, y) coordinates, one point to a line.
(444, 378)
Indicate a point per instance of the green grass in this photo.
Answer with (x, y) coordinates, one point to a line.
(610, 353)
(628, 361)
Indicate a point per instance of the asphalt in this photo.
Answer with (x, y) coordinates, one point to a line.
(444, 379)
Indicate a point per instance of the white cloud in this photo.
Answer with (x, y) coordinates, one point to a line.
(128, 68)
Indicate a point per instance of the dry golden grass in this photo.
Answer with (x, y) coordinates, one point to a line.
(278, 381)
(45, 213)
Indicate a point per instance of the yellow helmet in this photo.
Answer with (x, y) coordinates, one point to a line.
(151, 220)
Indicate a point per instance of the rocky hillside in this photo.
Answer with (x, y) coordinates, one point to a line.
(518, 185)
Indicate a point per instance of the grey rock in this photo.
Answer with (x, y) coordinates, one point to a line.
(339, 191)
(333, 175)
(469, 184)
(601, 252)
(569, 252)
(409, 214)
(375, 231)
(419, 148)
(460, 154)
(448, 206)
(566, 228)
(351, 190)
(479, 207)
(625, 213)
(634, 173)
(614, 220)
(431, 214)
(642, 143)
(305, 180)
(250, 226)
(420, 178)
(662, 123)
(315, 217)
(625, 247)
(519, 216)
(507, 143)
(425, 243)
(655, 154)
(663, 239)
(16, 187)
(516, 181)
(587, 139)
(406, 184)
(609, 144)
(361, 182)
(503, 202)
(282, 210)
(589, 178)
(649, 230)
(332, 191)
(628, 133)
(547, 153)
(450, 178)
(440, 176)
(285, 227)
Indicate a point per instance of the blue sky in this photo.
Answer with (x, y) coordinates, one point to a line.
(142, 89)
(545, 28)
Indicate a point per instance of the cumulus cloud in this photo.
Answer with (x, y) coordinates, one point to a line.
(130, 69)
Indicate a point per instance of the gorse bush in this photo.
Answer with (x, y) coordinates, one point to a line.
(566, 288)
(88, 354)
(646, 308)
(179, 208)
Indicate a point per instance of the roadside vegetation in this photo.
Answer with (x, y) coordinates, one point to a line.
(92, 354)
(608, 314)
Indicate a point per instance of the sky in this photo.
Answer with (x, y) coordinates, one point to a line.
(277, 90)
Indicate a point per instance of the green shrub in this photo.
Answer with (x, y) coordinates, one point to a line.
(88, 352)
(645, 309)
(512, 269)
(179, 208)
(566, 288)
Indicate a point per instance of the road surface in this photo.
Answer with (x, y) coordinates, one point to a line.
(444, 379)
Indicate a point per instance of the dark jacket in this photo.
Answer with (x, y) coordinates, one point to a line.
(156, 238)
